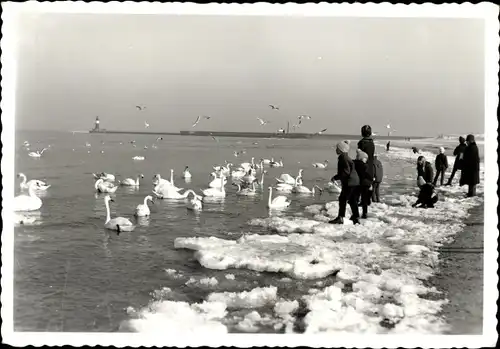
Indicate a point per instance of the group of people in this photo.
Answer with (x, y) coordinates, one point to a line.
(467, 161)
(361, 178)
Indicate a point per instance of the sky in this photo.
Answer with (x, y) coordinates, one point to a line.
(424, 76)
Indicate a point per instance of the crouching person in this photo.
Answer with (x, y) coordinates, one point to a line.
(426, 199)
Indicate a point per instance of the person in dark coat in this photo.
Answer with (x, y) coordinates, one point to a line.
(424, 169)
(441, 166)
(378, 174)
(425, 198)
(459, 158)
(365, 180)
(415, 150)
(347, 175)
(470, 169)
(366, 145)
(388, 145)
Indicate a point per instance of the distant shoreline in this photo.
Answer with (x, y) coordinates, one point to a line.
(248, 134)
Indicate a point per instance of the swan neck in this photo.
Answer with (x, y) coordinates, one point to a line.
(269, 201)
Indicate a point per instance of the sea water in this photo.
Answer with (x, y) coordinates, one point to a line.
(235, 266)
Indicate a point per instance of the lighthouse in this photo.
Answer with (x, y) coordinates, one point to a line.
(96, 127)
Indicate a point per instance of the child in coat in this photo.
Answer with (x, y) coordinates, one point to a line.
(441, 166)
(365, 180)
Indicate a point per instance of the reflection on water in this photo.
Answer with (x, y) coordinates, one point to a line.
(142, 221)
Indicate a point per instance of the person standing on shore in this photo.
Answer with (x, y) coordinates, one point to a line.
(347, 175)
(459, 158)
(365, 180)
(470, 169)
(378, 175)
(388, 145)
(424, 169)
(366, 145)
(441, 166)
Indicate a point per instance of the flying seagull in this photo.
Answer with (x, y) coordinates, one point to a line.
(159, 139)
(146, 124)
(320, 132)
(198, 119)
(140, 107)
(274, 107)
(262, 122)
(300, 117)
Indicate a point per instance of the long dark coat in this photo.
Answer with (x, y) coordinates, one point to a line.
(458, 152)
(346, 172)
(470, 165)
(426, 171)
(366, 144)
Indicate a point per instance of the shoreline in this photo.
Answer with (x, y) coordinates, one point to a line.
(460, 276)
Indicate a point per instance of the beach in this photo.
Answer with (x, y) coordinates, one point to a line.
(235, 266)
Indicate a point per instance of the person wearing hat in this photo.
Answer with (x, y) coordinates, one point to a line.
(459, 158)
(348, 177)
(365, 180)
(470, 166)
(441, 166)
(425, 198)
(424, 169)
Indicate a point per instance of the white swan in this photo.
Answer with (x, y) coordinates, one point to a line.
(186, 174)
(216, 192)
(247, 165)
(261, 182)
(277, 202)
(142, 210)
(108, 177)
(266, 161)
(157, 180)
(249, 177)
(333, 187)
(301, 189)
(216, 182)
(285, 178)
(238, 173)
(323, 164)
(29, 202)
(171, 193)
(246, 191)
(38, 184)
(119, 223)
(104, 187)
(172, 180)
(195, 203)
(276, 164)
(131, 182)
(37, 154)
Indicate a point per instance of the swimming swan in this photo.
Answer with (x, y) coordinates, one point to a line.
(301, 189)
(277, 202)
(142, 210)
(216, 192)
(186, 174)
(323, 164)
(171, 193)
(108, 177)
(119, 223)
(131, 182)
(29, 202)
(195, 203)
(104, 187)
(38, 184)
(333, 187)
(37, 154)
(246, 191)
(285, 178)
(216, 182)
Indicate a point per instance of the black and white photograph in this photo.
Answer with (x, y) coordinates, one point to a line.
(249, 175)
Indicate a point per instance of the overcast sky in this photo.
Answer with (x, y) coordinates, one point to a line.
(424, 76)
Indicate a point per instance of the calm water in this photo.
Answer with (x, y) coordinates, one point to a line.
(73, 275)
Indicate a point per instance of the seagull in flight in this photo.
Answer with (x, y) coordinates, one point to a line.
(262, 122)
(159, 139)
(274, 107)
(146, 124)
(300, 117)
(320, 132)
(140, 107)
(198, 119)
